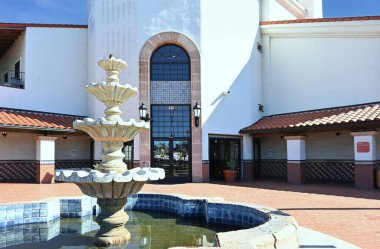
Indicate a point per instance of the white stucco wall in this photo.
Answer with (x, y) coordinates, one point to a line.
(365, 137)
(227, 44)
(229, 61)
(15, 53)
(18, 146)
(55, 65)
(318, 146)
(319, 65)
(247, 148)
(272, 11)
(22, 146)
(273, 147)
(73, 148)
(314, 8)
(327, 145)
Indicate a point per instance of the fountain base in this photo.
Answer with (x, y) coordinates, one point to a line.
(112, 219)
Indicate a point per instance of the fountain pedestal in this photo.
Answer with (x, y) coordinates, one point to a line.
(112, 220)
(111, 183)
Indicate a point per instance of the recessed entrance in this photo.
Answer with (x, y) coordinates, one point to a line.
(221, 150)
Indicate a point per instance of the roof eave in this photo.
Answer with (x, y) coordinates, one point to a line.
(320, 128)
(20, 127)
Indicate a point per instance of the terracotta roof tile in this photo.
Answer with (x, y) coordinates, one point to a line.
(339, 19)
(38, 120)
(39, 25)
(317, 118)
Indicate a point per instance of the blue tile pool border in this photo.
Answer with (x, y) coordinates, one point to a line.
(75, 207)
(258, 225)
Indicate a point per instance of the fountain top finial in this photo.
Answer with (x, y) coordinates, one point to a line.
(112, 66)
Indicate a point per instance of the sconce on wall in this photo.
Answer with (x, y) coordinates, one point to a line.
(261, 108)
(260, 47)
(4, 133)
(64, 137)
(143, 112)
(197, 113)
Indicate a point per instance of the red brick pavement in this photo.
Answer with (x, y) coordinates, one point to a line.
(343, 212)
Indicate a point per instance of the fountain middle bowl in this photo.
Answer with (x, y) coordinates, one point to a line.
(103, 130)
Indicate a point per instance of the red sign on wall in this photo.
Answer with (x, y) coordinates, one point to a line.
(362, 147)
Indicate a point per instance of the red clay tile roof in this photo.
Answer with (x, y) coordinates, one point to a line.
(339, 19)
(322, 118)
(23, 119)
(39, 25)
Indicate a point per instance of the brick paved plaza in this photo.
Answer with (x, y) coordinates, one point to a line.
(340, 211)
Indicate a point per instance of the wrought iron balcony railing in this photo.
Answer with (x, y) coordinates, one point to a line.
(12, 78)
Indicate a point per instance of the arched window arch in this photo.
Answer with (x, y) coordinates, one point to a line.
(170, 63)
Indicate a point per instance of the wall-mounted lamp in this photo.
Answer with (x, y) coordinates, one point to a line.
(260, 47)
(261, 108)
(197, 113)
(142, 111)
(337, 133)
(64, 137)
(4, 133)
(282, 136)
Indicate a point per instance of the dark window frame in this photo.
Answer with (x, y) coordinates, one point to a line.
(170, 62)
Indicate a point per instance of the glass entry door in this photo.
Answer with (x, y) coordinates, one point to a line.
(173, 156)
(221, 150)
(171, 141)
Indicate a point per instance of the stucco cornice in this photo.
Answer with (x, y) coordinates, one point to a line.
(353, 28)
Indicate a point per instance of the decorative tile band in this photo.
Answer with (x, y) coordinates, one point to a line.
(170, 92)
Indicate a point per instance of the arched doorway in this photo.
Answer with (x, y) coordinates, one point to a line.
(198, 172)
(170, 103)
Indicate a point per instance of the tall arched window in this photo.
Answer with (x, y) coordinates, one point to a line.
(170, 99)
(170, 63)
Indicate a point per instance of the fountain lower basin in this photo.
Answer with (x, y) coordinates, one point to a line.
(258, 226)
(111, 190)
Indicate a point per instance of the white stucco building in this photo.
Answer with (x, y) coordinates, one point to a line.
(283, 91)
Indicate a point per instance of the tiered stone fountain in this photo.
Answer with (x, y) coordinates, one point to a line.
(111, 182)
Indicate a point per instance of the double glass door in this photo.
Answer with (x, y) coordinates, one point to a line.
(173, 156)
(171, 140)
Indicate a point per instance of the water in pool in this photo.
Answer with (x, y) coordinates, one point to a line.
(149, 230)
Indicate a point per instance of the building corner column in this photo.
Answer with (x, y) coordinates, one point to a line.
(45, 155)
(365, 158)
(296, 155)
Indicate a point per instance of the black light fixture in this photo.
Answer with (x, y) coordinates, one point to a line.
(260, 47)
(142, 111)
(64, 137)
(4, 133)
(197, 113)
(261, 108)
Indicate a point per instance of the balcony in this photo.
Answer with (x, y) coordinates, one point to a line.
(13, 79)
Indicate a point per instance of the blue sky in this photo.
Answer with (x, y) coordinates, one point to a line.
(75, 11)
